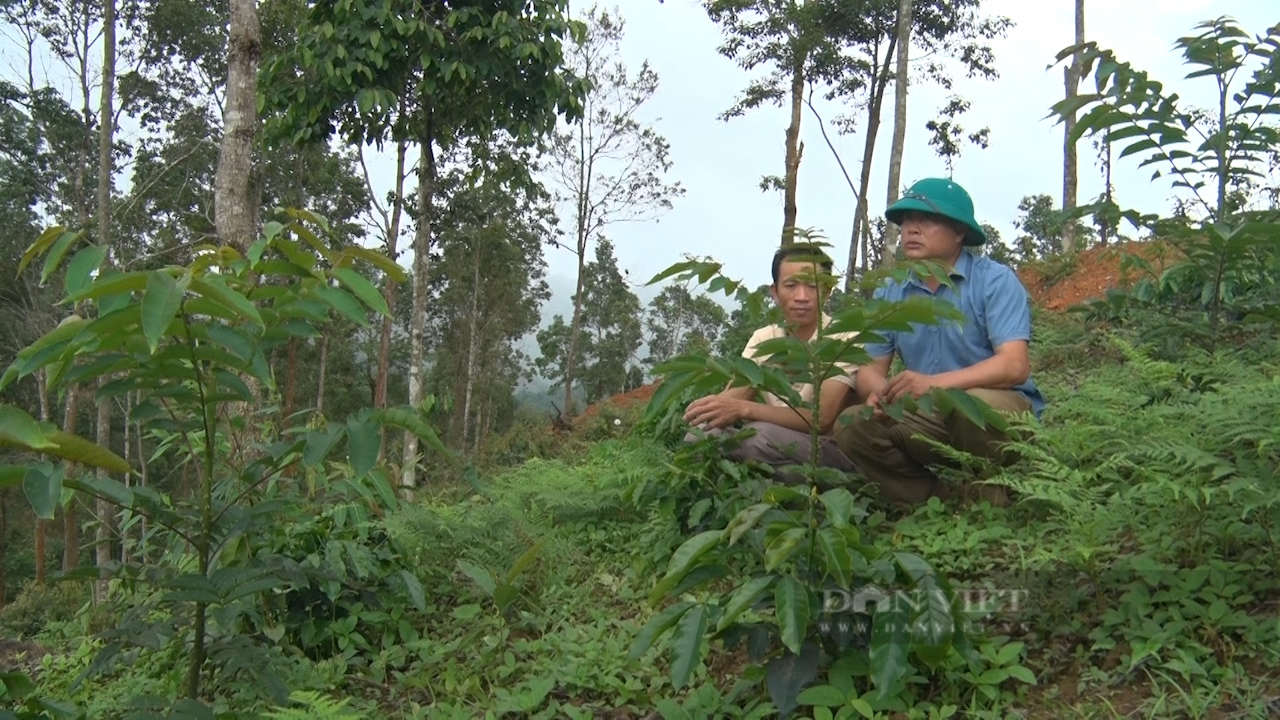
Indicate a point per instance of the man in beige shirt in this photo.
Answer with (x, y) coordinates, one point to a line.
(782, 434)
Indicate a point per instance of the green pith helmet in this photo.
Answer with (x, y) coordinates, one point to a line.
(939, 196)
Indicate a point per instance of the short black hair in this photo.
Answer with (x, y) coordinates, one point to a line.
(805, 251)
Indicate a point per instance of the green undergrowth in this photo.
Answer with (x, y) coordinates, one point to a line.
(1134, 575)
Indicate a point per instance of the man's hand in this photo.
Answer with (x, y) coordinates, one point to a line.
(716, 411)
(907, 383)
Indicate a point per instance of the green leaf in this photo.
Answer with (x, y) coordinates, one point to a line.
(17, 684)
(839, 503)
(344, 303)
(363, 444)
(413, 588)
(378, 260)
(406, 419)
(18, 429)
(890, 640)
(81, 266)
(56, 254)
(319, 444)
(231, 339)
(1018, 672)
(478, 574)
(108, 488)
(41, 244)
(363, 289)
(745, 520)
(788, 674)
(213, 288)
(824, 695)
(108, 284)
(523, 562)
(782, 546)
(686, 645)
(504, 595)
(78, 450)
(42, 485)
(160, 303)
(654, 629)
(792, 606)
(835, 551)
(744, 597)
(683, 560)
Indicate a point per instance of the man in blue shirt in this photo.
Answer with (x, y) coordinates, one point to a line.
(987, 356)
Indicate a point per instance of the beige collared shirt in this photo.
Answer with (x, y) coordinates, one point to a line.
(805, 389)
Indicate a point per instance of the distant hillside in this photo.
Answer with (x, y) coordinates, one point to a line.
(538, 398)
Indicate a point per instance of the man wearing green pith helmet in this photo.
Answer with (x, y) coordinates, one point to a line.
(987, 356)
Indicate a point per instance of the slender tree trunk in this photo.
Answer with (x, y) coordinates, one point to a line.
(1105, 229)
(4, 544)
(324, 370)
(794, 149)
(128, 479)
(472, 342)
(1070, 172)
(899, 124)
(291, 379)
(571, 363)
(586, 172)
(142, 481)
(41, 525)
(389, 288)
(233, 206)
(106, 134)
(861, 217)
(421, 287)
(70, 525)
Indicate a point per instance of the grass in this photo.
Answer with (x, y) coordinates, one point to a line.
(1140, 551)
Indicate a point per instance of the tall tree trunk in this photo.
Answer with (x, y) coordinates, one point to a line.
(142, 480)
(1105, 225)
(291, 378)
(324, 371)
(472, 342)
(106, 134)
(586, 173)
(571, 362)
(794, 150)
(127, 444)
(41, 525)
(70, 525)
(233, 198)
(861, 216)
(4, 543)
(421, 287)
(389, 287)
(899, 125)
(1070, 173)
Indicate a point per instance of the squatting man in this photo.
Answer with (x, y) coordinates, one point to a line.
(986, 356)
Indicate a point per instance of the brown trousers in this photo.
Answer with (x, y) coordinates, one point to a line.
(779, 447)
(892, 454)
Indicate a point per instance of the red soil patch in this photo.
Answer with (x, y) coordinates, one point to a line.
(620, 401)
(1096, 270)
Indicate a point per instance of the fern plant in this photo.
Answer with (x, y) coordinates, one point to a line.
(313, 705)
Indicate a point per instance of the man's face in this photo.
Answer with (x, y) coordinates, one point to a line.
(926, 236)
(797, 291)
